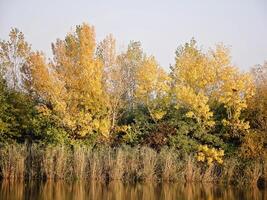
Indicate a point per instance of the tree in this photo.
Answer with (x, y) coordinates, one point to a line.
(192, 77)
(128, 63)
(233, 90)
(258, 104)
(106, 52)
(254, 143)
(16, 111)
(13, 57)
(112, 77)
(202, 80)
(73, 84)
(41, 82)
(152, 88)
(16, 107)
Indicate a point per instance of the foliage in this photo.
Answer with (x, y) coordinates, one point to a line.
(88, 93)
(191, 79)
(209, 155)
(253, 145)
(152, 88)
(16, 111)
(203, 82)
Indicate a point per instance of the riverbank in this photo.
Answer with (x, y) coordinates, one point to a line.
(127, 164)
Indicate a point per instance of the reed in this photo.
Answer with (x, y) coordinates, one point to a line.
(79, 162)
(132, 165)
(96, 164)
(252, 173)
(117, 167)
(127, 164)
(12, 161)
(148, 159)
(168, 165)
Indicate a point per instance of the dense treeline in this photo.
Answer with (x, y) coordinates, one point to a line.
(88, 94)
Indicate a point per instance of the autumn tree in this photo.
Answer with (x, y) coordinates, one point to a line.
(152, 88)
(39, 83)
(232, 89)
(72, 84)
(202, 79)
(254, 143)
(192, 77)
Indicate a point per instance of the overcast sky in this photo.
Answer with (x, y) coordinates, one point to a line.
(160, 25)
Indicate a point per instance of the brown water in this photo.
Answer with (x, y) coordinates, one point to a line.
(78, 190)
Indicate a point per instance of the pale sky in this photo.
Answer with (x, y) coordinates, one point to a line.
(160, 25)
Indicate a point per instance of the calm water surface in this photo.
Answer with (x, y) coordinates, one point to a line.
(78, 190)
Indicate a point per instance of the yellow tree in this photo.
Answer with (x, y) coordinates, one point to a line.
(192, 77)
(40, 81)
(200, 79)
(152, 87)
(43, 86)
(233, 89)
(81, 102)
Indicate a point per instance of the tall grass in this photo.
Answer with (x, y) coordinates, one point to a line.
(55, 162)
(117, 165)
(148, 159)
(128, 164)
(168, 165)
(12, 161)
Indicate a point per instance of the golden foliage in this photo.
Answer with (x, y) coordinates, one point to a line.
(193, 76)
(72, 83)
(210, 155)
(197, 103)
(152, 87)
(200, 79)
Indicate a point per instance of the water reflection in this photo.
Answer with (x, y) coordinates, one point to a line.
(78, 190)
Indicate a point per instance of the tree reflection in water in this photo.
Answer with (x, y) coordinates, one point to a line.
(78, 190)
